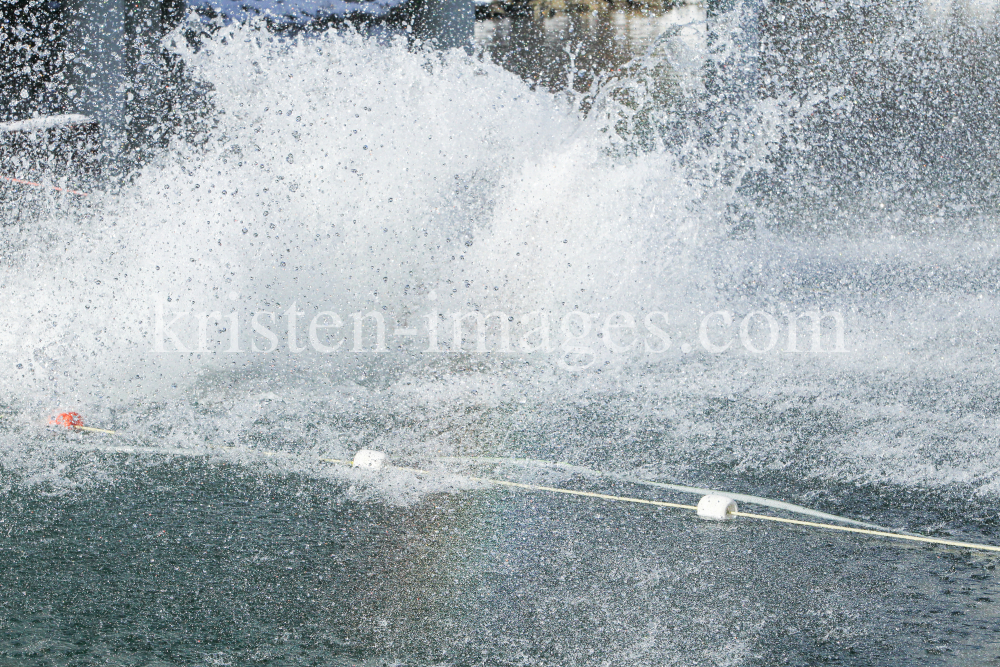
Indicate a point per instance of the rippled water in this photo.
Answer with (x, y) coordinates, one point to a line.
(334, 173)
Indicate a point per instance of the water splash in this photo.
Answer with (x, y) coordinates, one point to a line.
(343, 174)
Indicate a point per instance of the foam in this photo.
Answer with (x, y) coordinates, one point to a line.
(287, 199)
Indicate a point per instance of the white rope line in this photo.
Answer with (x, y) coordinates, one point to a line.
(586, 494)
(572, 492)
(739, 497)
(878, 533)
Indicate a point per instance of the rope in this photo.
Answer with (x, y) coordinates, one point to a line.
(877, 533)
(586, 494)
(91, 429)
(589, 494)
(739, 497)
(40, 185)
(749, 515)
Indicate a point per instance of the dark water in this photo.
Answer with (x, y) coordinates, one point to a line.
(186, 562)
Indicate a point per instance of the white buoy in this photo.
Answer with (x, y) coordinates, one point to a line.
(716, 508)
(369, 458)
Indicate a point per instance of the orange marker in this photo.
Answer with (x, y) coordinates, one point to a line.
(69, 420)
(74, 422)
